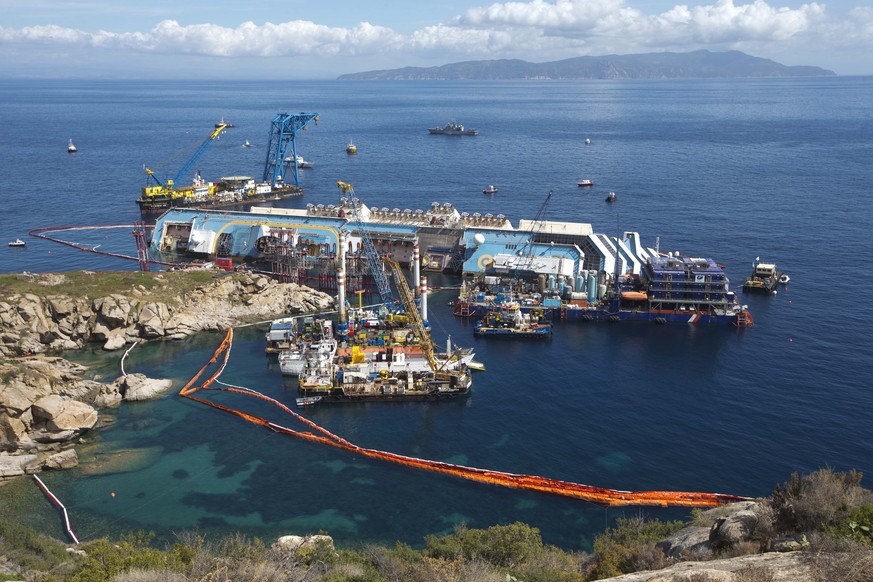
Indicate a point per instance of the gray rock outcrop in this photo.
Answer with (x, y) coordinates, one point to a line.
(773, 567)
(31, 324)
(293, 544)
(47, 401)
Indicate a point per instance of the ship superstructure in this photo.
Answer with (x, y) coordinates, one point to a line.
(564, 268)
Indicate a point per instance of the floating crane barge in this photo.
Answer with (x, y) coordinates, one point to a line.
(282, 162)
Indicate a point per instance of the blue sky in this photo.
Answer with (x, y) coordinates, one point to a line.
(267, 39)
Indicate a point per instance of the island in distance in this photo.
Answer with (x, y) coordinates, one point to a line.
(696, 64)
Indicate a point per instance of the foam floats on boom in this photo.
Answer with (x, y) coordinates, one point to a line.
(322, 436)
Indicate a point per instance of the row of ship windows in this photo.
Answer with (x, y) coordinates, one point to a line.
(686, 286)
(686, 278)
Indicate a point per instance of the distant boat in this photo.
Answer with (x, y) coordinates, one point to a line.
(610, 197)
(71, 147)
(452, 128)
(587, 141)
(351, 148)
(17, 243)
(784, 279)
(224, 123)
(301, 163)
(247, 144)
(491, 189)
(583, 183)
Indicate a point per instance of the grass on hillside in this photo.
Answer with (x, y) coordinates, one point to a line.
(164, 287)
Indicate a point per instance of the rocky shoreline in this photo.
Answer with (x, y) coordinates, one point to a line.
(47, 403)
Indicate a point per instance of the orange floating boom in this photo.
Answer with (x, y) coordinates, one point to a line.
(590, 493)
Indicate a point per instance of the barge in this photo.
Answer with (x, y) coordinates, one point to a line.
(348, 384)
(282, 163)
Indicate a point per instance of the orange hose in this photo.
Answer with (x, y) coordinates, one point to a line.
(590, 493)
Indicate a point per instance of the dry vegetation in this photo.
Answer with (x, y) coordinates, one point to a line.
(155, 286)
(830, 508)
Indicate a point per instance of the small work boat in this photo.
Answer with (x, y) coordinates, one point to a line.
(17, 243)
(610, 197)
(784, 279)
(583, 183)
(351, 148)
(491, 189)
(71, 147)
(587, 141)
(247, 144)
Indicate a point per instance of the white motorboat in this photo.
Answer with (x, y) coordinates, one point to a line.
(71, 147)
(17, 243)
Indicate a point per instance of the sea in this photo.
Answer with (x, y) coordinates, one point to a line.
(740, 170)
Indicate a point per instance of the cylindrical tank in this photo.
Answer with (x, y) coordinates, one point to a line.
(601, 290)
(561, 285)
(551, 283)
(592, 286)
(576, 295)
(581, 280)
(542, 281)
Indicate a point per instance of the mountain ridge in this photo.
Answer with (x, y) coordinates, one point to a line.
(663, 65)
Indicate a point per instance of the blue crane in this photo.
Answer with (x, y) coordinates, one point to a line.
(164, 185)
(282, 147)
(525, 258)
(376, 265)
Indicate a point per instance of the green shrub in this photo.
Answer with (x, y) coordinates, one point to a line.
(501, 545)
(629, 545)
(818, 500)
(858, 525)
(106, 560)
(30, 550)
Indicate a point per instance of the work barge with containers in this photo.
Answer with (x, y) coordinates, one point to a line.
(562, 269)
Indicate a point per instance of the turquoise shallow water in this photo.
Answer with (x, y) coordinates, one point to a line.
(731, 169)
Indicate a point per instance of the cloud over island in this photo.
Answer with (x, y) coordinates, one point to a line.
(536, 31)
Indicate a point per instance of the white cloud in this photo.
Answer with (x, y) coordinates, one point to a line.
(537, 30)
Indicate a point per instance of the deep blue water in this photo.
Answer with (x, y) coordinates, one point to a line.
(732, 169)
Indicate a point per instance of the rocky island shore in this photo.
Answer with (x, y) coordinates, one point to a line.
(48, 402)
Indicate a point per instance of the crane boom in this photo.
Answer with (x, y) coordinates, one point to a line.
(524, 257)
(200, 151)
(369, 248)
(164, 185)
(412, 312)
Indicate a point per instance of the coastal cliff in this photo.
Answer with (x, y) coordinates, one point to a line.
(47, 402)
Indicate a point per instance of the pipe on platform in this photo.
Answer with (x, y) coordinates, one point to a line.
(416, 262)
(341, 276)
(424, 298)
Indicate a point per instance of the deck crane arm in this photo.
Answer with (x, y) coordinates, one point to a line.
(412, 312)
(375, 261)
(524, 257)
(201, 149)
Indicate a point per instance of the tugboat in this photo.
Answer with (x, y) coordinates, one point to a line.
(763, 279)
(71, 147)
(511, 322)
(452, 128)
